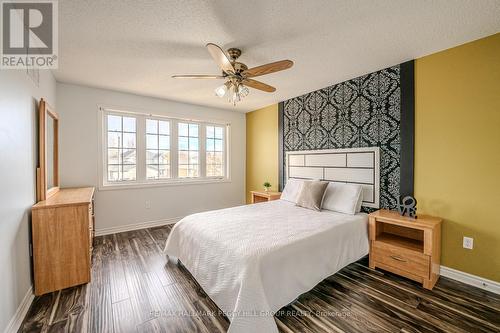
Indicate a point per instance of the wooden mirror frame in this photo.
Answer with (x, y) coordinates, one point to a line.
(44, 111)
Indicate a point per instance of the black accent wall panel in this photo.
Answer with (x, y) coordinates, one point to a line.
(363, 112)
(407, 131)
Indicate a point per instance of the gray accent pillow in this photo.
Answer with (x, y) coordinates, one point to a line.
(311, 194)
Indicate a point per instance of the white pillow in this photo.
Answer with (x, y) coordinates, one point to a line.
(343, 198)
(360, 201)
(292, 190)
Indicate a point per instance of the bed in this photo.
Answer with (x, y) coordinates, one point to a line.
(252, 260)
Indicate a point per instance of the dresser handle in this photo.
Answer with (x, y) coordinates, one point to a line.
(398, 258)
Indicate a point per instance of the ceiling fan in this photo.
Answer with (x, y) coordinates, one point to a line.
(237, 75)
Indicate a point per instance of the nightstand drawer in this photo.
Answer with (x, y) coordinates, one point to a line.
(409, 261)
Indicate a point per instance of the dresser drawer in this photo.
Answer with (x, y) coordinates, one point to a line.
(415, 263)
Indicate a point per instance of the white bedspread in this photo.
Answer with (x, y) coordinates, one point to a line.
(254, 259)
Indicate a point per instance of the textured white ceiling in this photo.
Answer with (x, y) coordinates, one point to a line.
(135, 46)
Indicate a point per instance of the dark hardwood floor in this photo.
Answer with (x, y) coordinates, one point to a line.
(134, 289)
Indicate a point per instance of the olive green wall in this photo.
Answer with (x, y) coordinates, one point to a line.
(457, 151)
(262, 149)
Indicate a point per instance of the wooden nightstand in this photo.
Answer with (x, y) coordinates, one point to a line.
(410, 247)
(262, 196)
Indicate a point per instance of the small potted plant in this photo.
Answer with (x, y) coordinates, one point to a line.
(267, 186)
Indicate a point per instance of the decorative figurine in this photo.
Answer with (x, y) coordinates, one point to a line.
(407, 206)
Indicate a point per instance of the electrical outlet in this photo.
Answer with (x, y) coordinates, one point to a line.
(148, 204)
(468, 243)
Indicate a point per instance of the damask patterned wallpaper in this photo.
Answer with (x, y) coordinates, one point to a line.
(362, 112)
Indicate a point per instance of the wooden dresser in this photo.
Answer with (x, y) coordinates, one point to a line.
(407, 246)
(62, 230)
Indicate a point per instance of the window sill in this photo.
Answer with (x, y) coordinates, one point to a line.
(176, 182)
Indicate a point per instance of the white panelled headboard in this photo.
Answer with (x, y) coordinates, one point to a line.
(349, 165)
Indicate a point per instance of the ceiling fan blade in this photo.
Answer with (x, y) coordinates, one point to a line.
(220, 58)
(268, 68)
(189, 76)
(258, 85)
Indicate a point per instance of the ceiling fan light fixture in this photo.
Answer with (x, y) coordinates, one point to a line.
(243, 91)
(222, 90)
(236, 73)
(236, 93)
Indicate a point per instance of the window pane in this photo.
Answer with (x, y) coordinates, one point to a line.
(164, 157)
(129, 156)
(114, 140)
(152, 171)
(183, 143)
(114, 123)
(189, 145)
(210, 158)
(218, 170)
(193, 157)
(128, 172)
(214, 154)
(210, 145)
(193, 171)
(218, 145)
(164, 142)
(193, 130)
(114, 173)
(214, 170)
(210, 170)
(210, 131)
(193, 144)
(151, 126)
(128, 140)
(218, 133)
(114, 156)
(164, 171)
(121, 144)
(218, 158)
(183, 171)
(151, 141)
(128, 124)
(151, 156)
(164, 127)
(157, 149)
(183, 129)
(183, 157)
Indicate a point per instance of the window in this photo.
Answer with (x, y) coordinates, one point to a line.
(141, 149)
(157, 149)
(121, 148)
(189, 157)
(215, 151)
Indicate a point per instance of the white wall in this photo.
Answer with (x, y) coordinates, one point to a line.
(78, 112)
(18, 157)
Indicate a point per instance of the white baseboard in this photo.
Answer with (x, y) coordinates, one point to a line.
(22, 310)
(470, 279)
(136, 226)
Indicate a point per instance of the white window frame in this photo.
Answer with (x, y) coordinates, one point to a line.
(141, 178)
